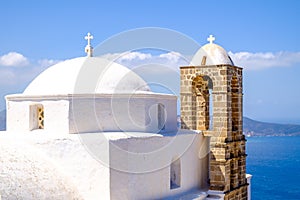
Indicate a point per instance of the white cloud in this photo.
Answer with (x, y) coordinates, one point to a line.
(135, 59)
(111, 56)
(134, 55)
(247, 60)
(172, 56)
(256, 61)
(13, 59)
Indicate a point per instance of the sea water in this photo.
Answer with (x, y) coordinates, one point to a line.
(274, 163)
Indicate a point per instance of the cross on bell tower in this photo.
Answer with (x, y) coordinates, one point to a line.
(88, 47)
(211, 39)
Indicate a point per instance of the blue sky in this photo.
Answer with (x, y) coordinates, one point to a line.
(262, 36)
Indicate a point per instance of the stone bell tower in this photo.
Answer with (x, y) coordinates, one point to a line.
(211, 101)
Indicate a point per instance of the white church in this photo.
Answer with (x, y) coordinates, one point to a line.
(89, 128)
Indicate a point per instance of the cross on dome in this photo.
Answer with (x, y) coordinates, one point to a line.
(89, 37)
(211, 39)
(88, 47)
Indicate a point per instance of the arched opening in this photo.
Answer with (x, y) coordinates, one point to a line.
(36, 118)
(235, 107)
(202, 87)
(175, 173)
(161, 118)
(211, 108)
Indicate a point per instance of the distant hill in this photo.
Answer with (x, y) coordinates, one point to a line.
(257, 128)
(3, 120)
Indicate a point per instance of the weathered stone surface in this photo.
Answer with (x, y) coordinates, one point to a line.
(219, 87)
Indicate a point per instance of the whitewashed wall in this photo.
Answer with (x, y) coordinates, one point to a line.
(140, 167)
(56, 114)
(17, 116)
(108, 112)
(94, 113)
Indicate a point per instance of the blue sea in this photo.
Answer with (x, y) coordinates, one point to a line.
(274, 163)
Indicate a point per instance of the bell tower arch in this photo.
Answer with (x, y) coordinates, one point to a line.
(211, 93)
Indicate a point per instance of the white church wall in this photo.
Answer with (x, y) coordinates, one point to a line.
(56, 114)
(105, 114)
(127, 114)
(17, 116)
(82, 116)
(152, 116)
(140, 167)
(93, 113)
(109, 112)
(22, 114)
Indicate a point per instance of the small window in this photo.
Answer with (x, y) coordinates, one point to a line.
(41, 117)
(36, 117)
(175, 173)
(203, 62)
(161, 117)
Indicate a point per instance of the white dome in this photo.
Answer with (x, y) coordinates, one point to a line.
(215, 55)
(86, 75)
